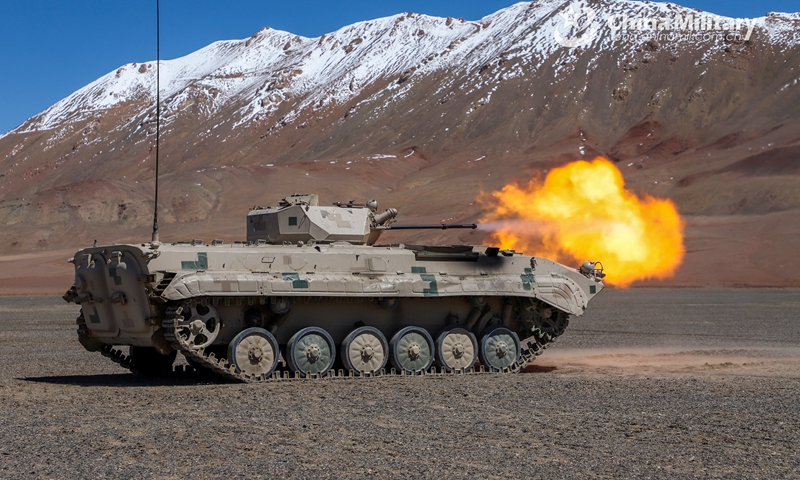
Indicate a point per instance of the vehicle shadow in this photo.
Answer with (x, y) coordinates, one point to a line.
(126, 380)
(538, 369)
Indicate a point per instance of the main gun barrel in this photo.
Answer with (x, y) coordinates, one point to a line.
(442, 226)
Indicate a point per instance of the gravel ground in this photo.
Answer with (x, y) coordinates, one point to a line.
(649, 383)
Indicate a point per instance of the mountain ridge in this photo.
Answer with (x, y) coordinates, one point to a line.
(410, 107)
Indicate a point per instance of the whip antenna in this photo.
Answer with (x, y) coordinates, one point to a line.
(158, 113)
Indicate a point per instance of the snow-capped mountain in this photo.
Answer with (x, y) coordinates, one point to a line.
(271, 67)
(423, 112)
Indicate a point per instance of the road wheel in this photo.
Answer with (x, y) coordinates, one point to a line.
(412, 350)
(310, 351)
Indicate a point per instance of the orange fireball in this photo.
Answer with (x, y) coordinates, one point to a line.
(581, 212)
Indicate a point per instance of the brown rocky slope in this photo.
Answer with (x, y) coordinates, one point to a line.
(423, 114)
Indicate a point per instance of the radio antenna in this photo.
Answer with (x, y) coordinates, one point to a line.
(158, 113)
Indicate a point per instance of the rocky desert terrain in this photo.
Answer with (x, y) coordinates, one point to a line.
(649, 383)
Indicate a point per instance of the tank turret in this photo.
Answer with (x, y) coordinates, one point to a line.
(300, 218)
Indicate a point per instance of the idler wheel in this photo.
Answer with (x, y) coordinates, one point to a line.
(310, 351)
(499, 348)
(412, 350)
(365, 350)
(456, 349)
(254, 351)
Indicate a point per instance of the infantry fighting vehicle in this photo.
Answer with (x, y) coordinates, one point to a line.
(310, 291)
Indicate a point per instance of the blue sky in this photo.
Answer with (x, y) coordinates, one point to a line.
(50, 48)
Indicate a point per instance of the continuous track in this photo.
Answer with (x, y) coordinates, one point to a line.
(531, 347)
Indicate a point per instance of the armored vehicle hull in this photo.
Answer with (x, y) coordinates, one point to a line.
(198, 299)
(257, 310)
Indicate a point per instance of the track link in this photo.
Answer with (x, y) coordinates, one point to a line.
(119, 357)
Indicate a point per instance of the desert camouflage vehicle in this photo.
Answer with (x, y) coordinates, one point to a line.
(310, 294)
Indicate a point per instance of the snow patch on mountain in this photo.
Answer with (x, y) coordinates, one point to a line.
(260, 74)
